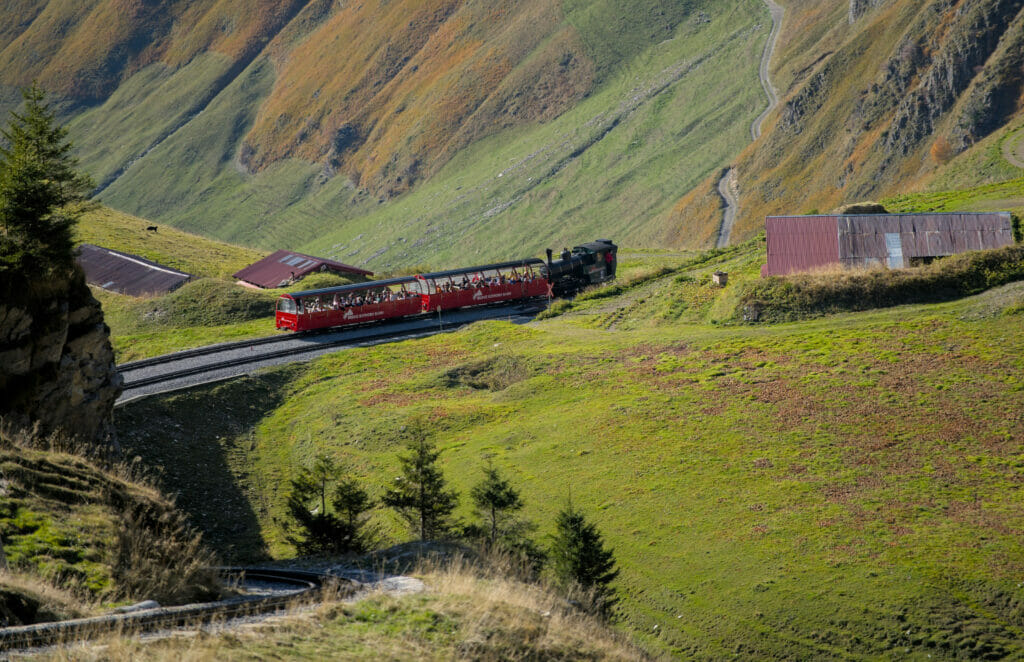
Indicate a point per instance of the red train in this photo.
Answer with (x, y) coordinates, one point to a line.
(374, 301)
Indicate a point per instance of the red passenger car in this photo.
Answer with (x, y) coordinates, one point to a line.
(477, 286)
(350, 304)
(379, 300)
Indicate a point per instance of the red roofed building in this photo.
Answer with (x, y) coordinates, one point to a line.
(285, 267)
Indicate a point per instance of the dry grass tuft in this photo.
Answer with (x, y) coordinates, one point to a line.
(507, 619)
(468, 612)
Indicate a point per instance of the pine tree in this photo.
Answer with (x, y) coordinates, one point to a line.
(350, 503)
(495, 500)
(321, 530)
(419, 494)
(39, 191)
(578, 556)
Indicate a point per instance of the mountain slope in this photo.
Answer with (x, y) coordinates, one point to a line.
(379, 132)
(879, 98)
(282, 124)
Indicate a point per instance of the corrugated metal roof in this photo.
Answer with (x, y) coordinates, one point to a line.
(800, 243)
(276, 270)
(863, 238)
(127, 274)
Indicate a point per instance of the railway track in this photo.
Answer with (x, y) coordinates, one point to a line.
(304, 586)
(226, 360)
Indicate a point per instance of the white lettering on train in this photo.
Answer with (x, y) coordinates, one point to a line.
(349, 315)
(480, 296)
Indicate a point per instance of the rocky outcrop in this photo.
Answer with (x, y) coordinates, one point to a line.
(974, 33)
(56, 363)
(860, 7)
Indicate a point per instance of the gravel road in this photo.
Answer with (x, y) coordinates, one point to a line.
(728, 185)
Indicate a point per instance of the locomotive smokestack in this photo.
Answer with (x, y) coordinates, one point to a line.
(549, 259)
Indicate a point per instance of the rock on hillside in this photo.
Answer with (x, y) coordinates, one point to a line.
(57, 365)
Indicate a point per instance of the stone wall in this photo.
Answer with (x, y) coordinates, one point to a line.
(56, 363)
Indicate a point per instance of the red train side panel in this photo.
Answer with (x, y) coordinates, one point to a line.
(407, 296)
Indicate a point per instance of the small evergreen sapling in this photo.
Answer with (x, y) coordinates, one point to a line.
(497, 504)
(495, 501)
(323, 530)
(578, 557)
(419, 495)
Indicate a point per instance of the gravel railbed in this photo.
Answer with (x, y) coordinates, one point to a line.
(317, 344)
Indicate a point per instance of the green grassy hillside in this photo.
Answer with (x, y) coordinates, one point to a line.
(843, 487)
(558, 122)
(190, 253)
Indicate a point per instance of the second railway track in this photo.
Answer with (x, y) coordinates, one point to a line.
(303, 585)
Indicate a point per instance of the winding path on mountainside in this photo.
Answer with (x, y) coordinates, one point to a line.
(776, 12)
(732, 205)
(727, 185)
(1013, 148)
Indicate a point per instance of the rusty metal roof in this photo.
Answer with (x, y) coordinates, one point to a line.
(800, 243)
(127, 274)
(283, 266)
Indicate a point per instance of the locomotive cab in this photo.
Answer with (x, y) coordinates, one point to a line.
(587, 264)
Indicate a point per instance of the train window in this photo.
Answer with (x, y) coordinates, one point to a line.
(286, 305)
(422, 287)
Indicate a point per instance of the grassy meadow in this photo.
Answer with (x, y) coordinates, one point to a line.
(840, 487)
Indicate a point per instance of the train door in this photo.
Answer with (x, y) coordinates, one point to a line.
(426, 290)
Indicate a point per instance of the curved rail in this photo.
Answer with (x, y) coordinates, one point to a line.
(306, 584)
(385, 333)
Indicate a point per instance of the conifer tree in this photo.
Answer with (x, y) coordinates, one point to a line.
(350, 503)
(578, 556)
(419, 494)
(39, 191)
(495, 500)
(320, 529)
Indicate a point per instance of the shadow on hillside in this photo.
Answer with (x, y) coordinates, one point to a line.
(196, 444)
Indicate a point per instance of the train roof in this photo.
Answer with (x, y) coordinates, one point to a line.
(354, 287)
(484, 267)
(599, 245)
